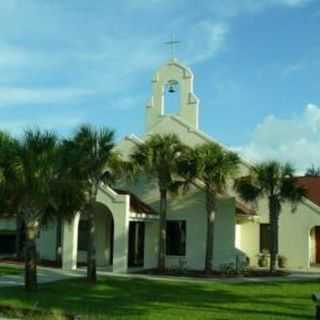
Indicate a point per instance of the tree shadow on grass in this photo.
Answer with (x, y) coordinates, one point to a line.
(138, 299)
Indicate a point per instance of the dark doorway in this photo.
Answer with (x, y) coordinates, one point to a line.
(7, 243)
(111, 237)
(136, 244)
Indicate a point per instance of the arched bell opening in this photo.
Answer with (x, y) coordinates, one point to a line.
(172, 97)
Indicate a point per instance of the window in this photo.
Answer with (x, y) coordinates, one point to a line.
(83, 235)
(176, 238)
(264, 237)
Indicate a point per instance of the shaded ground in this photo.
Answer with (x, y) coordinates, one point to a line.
(119, 298)
(9, 270)
(13, 275)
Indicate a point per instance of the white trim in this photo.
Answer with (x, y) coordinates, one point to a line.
(133, 138)
(142, 217)
(311, 205)
(116, 197)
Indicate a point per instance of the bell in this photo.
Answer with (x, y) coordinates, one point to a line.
(172, 86)
(172, 89)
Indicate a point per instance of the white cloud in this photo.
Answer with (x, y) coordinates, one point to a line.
(231, 8)
(63, 123)
(207, 39)
(127, 102)
(293, 68)
(100, 48)
(296, 140)
(12, 95)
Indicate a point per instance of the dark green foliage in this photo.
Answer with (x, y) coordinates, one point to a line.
(161, 157)
(313, 172)
(213, 166)
(90, 152)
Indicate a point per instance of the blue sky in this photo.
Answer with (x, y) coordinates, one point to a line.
(256, 65)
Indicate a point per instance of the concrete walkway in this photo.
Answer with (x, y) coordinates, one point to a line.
(294, 276)
(46, 275)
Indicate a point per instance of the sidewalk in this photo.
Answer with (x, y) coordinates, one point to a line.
(46, 275)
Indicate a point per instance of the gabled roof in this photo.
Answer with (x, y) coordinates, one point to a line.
(312, 186)
(136, 204)
(203, 137)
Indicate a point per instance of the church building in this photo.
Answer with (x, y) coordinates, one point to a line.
(127, 219)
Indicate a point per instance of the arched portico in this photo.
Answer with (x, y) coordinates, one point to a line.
(108, 202)
(104, 237)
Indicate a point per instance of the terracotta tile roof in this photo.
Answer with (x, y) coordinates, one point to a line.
(312, 186)
(136, 204)
(244, 209)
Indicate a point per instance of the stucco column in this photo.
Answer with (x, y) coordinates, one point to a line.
(119, 206)
(70, 243)
(101, 239)
(121, 230)
(151, 244)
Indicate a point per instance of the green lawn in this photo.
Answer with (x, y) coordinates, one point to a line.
(116, 298)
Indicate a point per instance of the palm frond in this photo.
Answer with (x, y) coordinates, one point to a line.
(247, 188)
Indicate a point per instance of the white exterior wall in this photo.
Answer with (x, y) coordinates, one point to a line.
(296, 242)
(8, 224)
(191, 208)
(248, 234)
(101, 238)
(224, 234)
(294, 235)
(46, 243)
(151, 239)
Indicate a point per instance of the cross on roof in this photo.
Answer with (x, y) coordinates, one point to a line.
(172, 43)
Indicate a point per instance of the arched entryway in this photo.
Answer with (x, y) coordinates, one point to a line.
(104, 237)
(314, 245)
(112, 214)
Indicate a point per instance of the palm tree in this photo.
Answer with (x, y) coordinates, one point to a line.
(29, 173)
(93, 156)
(275, 181)
(213, 166)
(158, 157)
(313, 172)
(8, 205)
(34, 183)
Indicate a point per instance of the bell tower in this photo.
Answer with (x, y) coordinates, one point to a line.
(166, 78)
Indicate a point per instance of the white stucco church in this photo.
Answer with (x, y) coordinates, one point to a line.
(127, 215)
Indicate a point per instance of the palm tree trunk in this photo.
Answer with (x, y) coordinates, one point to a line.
(274, 231)
(162, 231)
(91, 262)
(59, 241)
(19, 223)
(210, 203)
(30, 280)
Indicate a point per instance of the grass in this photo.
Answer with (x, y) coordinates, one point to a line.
(132, 299)
(9, 270)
